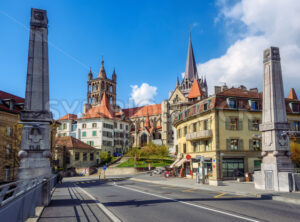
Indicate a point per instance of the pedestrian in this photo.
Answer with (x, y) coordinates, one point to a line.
(60, 174)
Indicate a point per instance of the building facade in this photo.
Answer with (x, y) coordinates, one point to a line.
(100, 127)
(72, 153)
(10, 135)
(224, 129)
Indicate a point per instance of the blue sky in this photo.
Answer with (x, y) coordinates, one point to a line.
(145, 41)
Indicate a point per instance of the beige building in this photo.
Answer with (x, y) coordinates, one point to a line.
(10, 135)
(72, 153)
(224, 129)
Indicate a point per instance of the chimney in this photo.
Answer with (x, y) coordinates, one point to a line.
(243, 87)
(254, 90)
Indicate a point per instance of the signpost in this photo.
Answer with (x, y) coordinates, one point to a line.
(104, 168)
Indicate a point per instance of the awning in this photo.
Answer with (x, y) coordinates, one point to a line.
(173, 164)
(179, 163)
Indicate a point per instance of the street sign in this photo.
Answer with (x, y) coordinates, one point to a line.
(104, 167)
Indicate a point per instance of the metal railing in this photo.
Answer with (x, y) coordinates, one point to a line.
(203, 134)
(19, 199)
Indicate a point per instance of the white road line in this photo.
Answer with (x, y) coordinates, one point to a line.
(190, 204)
(100, 205)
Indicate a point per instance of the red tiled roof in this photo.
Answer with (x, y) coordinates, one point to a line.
(71, 142)
(69, 117)
(195, 90)
(143, 111)
(16, 99)
(292, 94)
(102, 110)
(237, 92)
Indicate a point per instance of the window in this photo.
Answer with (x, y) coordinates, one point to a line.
(233, 144)
(179, 133)
(121, 126)
(84, 157)
(83, 134)
(254, 124)
(91, 156)
(94, 125)
(194, 127)
(106, 143)
(64, 126)
(205, 106)
(94, 133)
(296, 107)
(207, 145)
(6, 173)
(77, 155)
(83, 125)
(74, 127)
(91, 143)
(176, 150)
(126, 127)
(254, 105)
(9, 131)
(8, 150)
(196, 147)
(115, 125)
(185, 131)
(206, 124)
(68, 158)
(108, 126)
(232, 104)
(255, 144)
(233, 124)
(184, 148)
(107, 134)
(296, 125)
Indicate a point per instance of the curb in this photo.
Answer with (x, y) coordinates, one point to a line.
(264, 196)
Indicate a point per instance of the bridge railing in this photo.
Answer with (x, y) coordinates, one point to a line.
(19, 199)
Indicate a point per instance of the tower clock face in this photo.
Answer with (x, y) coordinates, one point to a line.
(38, 15)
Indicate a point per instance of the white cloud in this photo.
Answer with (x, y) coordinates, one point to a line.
(267, 22)
(143, 95)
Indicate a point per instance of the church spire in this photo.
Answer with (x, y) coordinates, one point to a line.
(102, 73)
(177, 82)
(191, 67)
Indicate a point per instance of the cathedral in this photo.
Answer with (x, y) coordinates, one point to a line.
(191, 88)
(150, 123)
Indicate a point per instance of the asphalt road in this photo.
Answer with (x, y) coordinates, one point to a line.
(133, 201)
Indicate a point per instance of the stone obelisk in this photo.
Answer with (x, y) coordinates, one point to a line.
(36, 117)
(276, 167)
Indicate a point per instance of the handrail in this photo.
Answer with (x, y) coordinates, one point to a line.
(10, 191)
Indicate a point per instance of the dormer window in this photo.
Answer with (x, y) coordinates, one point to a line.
(295, 107)
(205, 106)
(254, 105)
(232, 103)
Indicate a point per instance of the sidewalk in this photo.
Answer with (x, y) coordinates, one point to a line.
(229, 187)
(69, 203)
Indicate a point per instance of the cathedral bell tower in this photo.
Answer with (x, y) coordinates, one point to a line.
(100, 85)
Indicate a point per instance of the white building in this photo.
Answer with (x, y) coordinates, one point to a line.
(99, 127)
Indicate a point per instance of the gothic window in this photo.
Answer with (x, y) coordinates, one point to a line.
(102, 86)
(93, 100)
(93, 87)
(89, 88)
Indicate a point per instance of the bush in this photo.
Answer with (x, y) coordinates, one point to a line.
(154, 150)
(134, 152)
(105, 157)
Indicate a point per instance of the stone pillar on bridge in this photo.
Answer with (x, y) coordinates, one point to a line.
(276, 167)
(36, 116)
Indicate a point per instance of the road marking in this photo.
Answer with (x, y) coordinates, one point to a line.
(190, 204)
(82, 182)
(94, 181)
(100, 205)
(222, 194)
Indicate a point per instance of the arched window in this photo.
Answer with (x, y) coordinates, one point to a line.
(89, 88)
(143, 139)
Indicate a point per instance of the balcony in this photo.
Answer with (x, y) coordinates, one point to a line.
(203, 134)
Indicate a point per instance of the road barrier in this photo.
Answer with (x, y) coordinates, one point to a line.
(19, 199)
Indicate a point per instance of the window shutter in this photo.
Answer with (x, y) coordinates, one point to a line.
(240, 124)
(240, 145)
(249, 124)
(250, 144)
(228, 144)
(227, 123)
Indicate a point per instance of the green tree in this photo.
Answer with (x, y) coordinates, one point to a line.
(105, 157)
